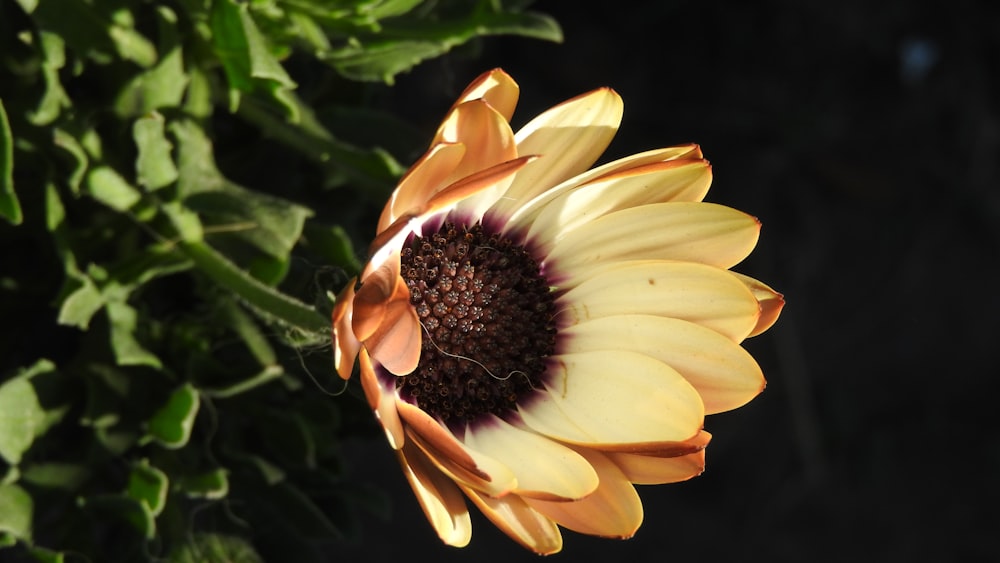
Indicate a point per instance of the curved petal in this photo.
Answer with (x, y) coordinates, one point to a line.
(650, 470)
(488, 476)
(683, 180)
(438, 496)
(544, 468)
(614, 510)
(497, 88)
(425, 178)
(395, 342)
(382, 401)
(345, 345)
(614, 397)
(771, 302)
(684, 290)
(724, 374)
(477, 125)
(570, 136)
(519, 521)
(695, 232)
(440, 445)
(633, 165)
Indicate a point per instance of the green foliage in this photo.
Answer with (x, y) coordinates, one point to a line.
(177, 217)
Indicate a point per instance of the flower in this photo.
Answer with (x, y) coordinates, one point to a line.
(537, 336)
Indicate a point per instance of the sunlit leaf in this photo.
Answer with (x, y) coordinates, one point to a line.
(54, 99)
(77, 154)
(56, 475)
(128, 351)
(16, 510)
(22, 417)
(163, 85)
(154, 165)
(108, 187)
(246, 57)
(10, 208)
(209, 485)
(149, 486)
(171, 425)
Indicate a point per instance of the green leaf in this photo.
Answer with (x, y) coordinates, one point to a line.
(171, 425)
(54, 99)
(81, 304)
(128, 351)
(22, 417)
(43, 555)
(267, 223)
(211, 485)
(10, 208)
(149, 486)
(16, 509)
(77, 154)
(215, 547)
(54, 475)
(381, 62)
(163, 85)
(108, 187)
(264, 299)
(333, 245)
(154, 165)
(246, 57)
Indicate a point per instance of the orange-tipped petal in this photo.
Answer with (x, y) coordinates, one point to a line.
(614, 510)
(382, 401)
(439, 497)
(771, 302)
(497, 88)
(345, 344)
(476, 124)
(650, 470)
(520, 521)
(421, 181)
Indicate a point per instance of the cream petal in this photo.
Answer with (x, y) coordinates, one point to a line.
(651, 470)
(614, 510)
(452, 456)
(439, 497)
(382, 401)
(636, 165)
(514, 517)
(696, 232)
(345, 345)
(685, 180)
(771, 302)
(544, 468)
(477, 125)
(421, 181)
(724, 374)
(614, 397)
(570, 136)
(497, 88)
(488, 476)
(702, 294)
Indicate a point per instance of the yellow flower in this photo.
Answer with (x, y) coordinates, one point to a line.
(537, 336)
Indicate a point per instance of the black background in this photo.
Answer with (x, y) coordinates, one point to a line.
(865, 136)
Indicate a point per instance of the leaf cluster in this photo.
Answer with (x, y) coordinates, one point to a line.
(181, 182)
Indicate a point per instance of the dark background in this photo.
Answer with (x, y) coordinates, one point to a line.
(865, 136)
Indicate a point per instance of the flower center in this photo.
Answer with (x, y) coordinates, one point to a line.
(487, 316)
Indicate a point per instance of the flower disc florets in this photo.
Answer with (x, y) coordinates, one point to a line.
(487, 317)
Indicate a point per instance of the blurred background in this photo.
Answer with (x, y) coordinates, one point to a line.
(866, 138)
